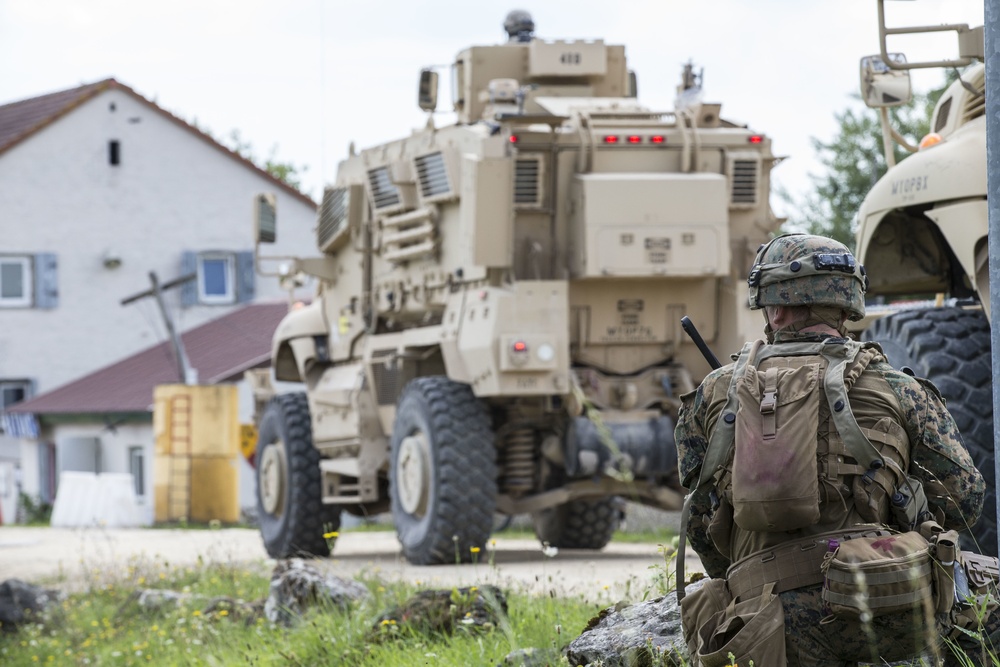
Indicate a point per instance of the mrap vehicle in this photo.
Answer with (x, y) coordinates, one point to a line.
(497, 328)
(922, 234)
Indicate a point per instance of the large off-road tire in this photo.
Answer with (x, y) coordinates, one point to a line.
(951, 348)
(578, 524)
(290, 511)
(442, 473)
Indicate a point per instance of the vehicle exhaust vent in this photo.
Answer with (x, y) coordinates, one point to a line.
(529, 173)
(432, 174)
(975, 105)
(385, 193)
(743, 176)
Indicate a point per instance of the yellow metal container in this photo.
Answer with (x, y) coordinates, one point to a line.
(197, 433)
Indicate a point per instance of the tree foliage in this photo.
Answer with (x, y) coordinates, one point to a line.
(286, 172)
(855, 161)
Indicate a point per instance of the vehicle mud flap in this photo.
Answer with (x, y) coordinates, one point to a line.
(645, 447)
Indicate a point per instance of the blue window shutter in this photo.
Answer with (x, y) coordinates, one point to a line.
(46, 280)
(245, 285)
(189, 290)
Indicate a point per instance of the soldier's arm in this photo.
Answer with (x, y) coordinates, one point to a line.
(939, 458)
(691, 447)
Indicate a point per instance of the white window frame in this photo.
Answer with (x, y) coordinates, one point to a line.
(137, 461)
(213, 299)
(26, 300)
(26, 385)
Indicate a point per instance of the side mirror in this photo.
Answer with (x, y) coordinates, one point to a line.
(882, 86)
(265, 218)
(427, 95)
(632, 88)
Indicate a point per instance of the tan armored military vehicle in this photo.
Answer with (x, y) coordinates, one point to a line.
(498, 324)
(922, 234)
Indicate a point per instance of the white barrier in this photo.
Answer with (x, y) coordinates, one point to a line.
(88, 499)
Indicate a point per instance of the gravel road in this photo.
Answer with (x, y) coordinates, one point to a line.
(77, 558)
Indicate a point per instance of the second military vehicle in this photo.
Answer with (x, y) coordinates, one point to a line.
(922, 232)
(498, 323)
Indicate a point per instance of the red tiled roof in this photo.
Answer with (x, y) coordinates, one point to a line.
(220, 350)
(20, 120)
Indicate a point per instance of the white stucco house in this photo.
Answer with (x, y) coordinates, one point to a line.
(99, 188)
(103, 422)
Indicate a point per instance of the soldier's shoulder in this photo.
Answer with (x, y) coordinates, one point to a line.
(904, 382)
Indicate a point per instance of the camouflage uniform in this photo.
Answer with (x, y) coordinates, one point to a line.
(938, 459)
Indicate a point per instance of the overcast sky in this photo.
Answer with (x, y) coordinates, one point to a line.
(310, 76)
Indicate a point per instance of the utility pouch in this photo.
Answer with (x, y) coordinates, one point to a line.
(878, 575)
(753, 630)
(699, 606)
(950, 582)
(909, 505)
(775, 471)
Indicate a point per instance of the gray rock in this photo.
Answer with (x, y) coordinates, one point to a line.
(296, 585)
(441, 611)
(155, 599)
(640, 635)
(21, 602)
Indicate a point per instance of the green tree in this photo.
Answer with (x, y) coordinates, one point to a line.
(854, 161)
(286, 172)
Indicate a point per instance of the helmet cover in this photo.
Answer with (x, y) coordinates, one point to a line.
(807, 270)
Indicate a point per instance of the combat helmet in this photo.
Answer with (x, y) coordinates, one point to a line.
(807, 270)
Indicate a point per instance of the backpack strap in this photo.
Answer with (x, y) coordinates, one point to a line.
(724, 435)
(719, 445)
(838, 356)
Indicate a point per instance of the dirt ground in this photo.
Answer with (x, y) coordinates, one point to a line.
(79, 557)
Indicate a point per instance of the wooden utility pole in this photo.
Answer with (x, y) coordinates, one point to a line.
(186, 374)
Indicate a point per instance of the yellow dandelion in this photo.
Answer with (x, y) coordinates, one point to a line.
(474, 550)
(224, 612)
(385, 621)
(142, 580)
(473, 589)
(162, 575)
(606, 587)
(331, 536)
(196, 613)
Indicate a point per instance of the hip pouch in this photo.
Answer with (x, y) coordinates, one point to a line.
(879, 575)
(700, 606)
(775, 473)
(753, 630)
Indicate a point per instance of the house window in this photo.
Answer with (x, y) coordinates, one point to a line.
(221, 277)
(15, 281)
(216, 278)
(136, 459)
(13, 391)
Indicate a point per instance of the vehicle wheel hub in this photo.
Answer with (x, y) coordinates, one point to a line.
(272, 478)
(414, 474)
